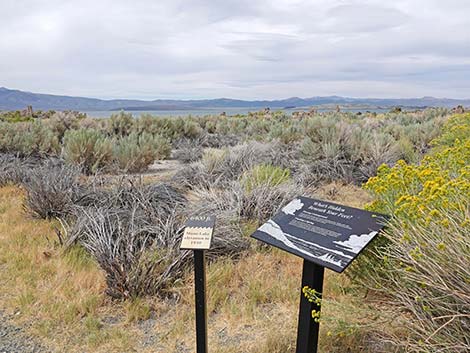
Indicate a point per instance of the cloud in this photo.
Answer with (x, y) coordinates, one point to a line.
(242, 49)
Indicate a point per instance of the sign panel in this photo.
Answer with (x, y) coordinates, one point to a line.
(324, 233)
(198, 233)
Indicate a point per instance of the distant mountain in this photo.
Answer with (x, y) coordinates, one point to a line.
(15, 99)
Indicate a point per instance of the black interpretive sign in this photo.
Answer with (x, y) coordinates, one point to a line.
(325, 233)
(198, 233)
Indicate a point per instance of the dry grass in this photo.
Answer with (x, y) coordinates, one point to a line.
(252, 301)
(60, 295)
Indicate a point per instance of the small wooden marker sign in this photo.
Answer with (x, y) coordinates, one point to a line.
(324, 234)
(198, 233)
(198, 237)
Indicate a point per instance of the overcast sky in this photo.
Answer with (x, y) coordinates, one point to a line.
(248, 49)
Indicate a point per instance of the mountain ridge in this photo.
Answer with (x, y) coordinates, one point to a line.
(12, 99)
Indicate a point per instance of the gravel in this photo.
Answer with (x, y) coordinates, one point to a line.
(13, 339)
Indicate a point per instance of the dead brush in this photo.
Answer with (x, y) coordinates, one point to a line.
(133, 231)
(188, 150)
(424, 271)
(139, 257)
(52, 190)
(257, 203)
(15, 170)
(219, 167)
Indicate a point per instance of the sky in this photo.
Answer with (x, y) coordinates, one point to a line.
(245, 49)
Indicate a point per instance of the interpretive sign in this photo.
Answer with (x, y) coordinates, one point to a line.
(325, 233)
(198, 233)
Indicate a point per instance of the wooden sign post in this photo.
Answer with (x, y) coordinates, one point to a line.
(324, 234)
(198, 237)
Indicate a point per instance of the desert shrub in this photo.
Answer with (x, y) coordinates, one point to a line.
(421, 135)
(15, 170)
(219, 141)
(170, 128)
(188, 151)
(28, 139)
(264, 175)
(326, 149)
(379, 149)
(120, 124)
(257, 204)
(423, 262)
(88, 149)
(52, 190)
(286, 133)
(325, 161)
(60, 122)
(133, 232)
(93, 124)
(219, 167)
(134, 153)
(138, 257)
(15, 116)
(456, 129)
(407, 150)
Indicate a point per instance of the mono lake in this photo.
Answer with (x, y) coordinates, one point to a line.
(218, 111)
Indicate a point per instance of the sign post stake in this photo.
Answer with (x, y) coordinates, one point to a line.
(308, 329)
(197, 236)
(200, 296)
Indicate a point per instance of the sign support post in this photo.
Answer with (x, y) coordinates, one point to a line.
(308, 329)
(200, 296)
(198, 237)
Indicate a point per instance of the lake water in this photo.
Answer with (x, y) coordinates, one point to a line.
(216, 111)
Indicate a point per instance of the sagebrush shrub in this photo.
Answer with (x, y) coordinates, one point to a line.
(87, 148)
(120, 124)
(134, 153)
(28, 139)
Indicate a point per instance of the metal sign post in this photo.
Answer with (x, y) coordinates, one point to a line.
(198, 237)
(200, 297)
(308, 329)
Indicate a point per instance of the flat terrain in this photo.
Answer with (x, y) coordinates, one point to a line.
(58, 298)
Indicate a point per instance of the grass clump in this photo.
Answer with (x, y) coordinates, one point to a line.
(265, 174)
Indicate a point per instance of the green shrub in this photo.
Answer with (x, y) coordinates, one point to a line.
(266, 175)
(170, 128)
(87, 148)
(134, 153)
(14, 117)
(60, 122)
(28, 139)
(120, 124)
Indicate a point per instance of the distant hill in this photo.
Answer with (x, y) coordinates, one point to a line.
(15, 99)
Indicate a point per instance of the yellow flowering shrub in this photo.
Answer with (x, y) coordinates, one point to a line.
(423, 262)
(441, 181)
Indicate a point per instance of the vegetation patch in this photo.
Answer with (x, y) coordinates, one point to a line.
(424, 264)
